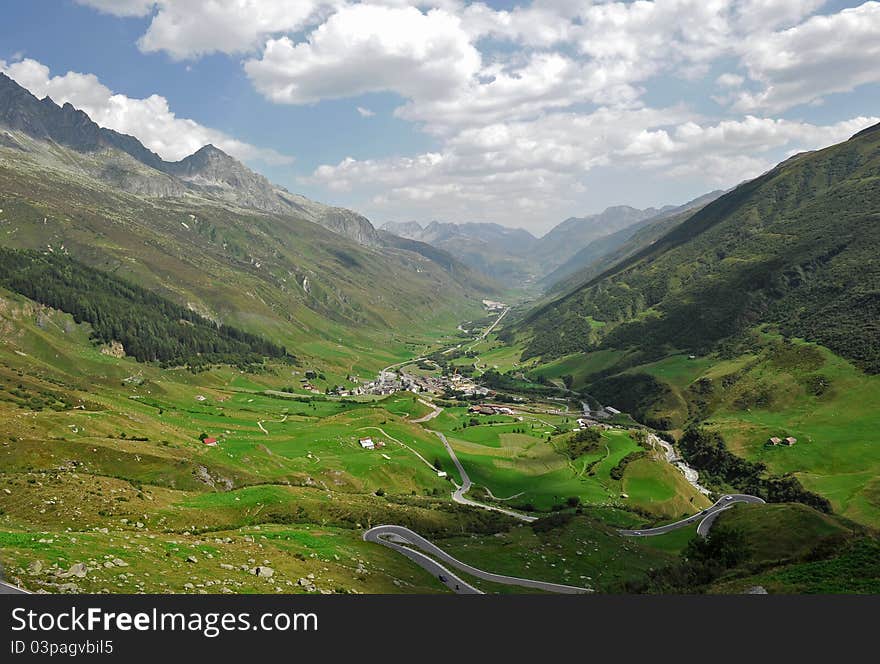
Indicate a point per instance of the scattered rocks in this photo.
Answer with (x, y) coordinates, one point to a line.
(192, 559)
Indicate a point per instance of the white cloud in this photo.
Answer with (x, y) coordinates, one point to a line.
(365, 48)
(525, 105)
(763, 15)
(823, 55)
(193, 28)
(150, 120)
(529, 170)
(365, 112)
(121, 7)
(730, 80)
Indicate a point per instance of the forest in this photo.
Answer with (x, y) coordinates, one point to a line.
(149, 327)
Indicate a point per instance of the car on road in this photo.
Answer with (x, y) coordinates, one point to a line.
(637, 532)
(442, 578)
(728, 497)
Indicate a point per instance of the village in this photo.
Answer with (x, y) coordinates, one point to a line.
(390, 382)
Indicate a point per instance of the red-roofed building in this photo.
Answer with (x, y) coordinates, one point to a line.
(212, 442)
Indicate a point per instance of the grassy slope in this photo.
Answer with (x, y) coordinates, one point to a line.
(240, 267)
(513, 458)
(91, 442)
(765, 252)
(794, 549)
(130, 454)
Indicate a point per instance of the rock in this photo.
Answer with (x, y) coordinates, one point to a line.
(226, 566)
(7, 492)
(35, 567)
(68, 588)
(78, 570)
(189, 586)
(192, 559)
(119, 562)
(265, 572)
(757, 590)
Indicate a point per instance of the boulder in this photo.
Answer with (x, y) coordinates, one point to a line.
(263, 571)
(78, 570)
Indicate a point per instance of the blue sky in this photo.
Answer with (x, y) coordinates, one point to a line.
(518, 113)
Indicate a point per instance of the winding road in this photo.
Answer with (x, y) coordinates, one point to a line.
(465, 486)
(706, 517)
(403, 540)
(437, 562)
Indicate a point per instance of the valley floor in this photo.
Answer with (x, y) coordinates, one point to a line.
(118, 476)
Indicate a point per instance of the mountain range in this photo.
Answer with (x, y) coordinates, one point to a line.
(514, 255)
(209, 233)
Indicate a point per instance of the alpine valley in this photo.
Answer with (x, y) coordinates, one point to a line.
(211, 384)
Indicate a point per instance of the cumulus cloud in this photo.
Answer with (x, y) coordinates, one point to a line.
(823, 55)
(192, 28)
(151, 120)
(523, 104)
(367, 48)
(527, 169)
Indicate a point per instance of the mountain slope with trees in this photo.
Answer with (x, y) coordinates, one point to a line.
(793, 247)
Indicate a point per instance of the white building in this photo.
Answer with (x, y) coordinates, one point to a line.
(367, 443)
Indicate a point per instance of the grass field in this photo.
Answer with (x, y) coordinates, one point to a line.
(583, 551)
(838, 431)
(513, 459)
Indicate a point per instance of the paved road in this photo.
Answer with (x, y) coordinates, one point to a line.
(9, 589)
(489, 329)
(436, 410)
(706, 517)
(398, 537)
(460, 490)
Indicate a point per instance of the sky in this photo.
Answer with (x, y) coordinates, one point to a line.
(520, 113)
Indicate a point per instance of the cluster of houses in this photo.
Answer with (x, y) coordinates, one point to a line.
(587, 423)
(390, 382)
(790, 440)
(490, 409)
(593, 418)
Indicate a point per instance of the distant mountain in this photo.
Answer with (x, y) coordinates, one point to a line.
(603, 252)
(495, 250)
(517, 257)
(575, 233)
(411, 230)
(795, 248)
(209, 171)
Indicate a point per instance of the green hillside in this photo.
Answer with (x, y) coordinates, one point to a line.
(756, 317)
(288, 280)
(793, 247)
